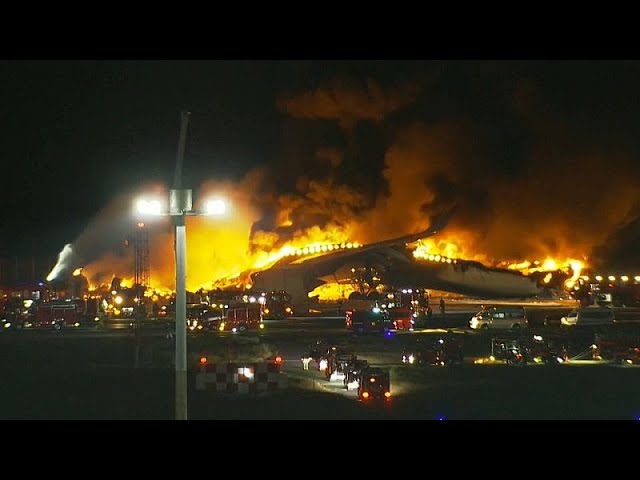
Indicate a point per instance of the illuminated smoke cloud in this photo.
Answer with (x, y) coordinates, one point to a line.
(65, 258)
(105, 240)
(530, 177)
(345, 101)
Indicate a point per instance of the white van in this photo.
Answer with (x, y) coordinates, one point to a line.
(589, 317)
(500, 317)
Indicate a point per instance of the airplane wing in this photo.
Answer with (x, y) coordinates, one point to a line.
(301, 275)
(397, 267)
(438, 224)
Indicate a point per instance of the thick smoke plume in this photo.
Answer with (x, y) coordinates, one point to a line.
(531, 187)
(532, 177)
(346, 102)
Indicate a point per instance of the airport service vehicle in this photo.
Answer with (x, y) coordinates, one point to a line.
(548, 350)
(368, 321)
(441, 351)
(375, 385)
(589, 317)
(505, 317)
(353, 373)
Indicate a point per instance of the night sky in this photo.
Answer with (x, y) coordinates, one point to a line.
(556, 142)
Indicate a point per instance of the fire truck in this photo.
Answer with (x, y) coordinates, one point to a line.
(276, 305)
(12, 312)
(407, 307)
(619, 348)
(57, 314)
(241, 318)
(203, 318)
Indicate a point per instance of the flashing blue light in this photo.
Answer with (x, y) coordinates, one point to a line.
(41, 284)
(388, 334)
(441, 417)
(376, 310)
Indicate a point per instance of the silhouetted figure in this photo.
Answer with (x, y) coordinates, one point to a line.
(305, 362)
(442, 306)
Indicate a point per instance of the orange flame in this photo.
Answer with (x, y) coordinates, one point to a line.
(332, 292)
(219, 249)
(449, 251)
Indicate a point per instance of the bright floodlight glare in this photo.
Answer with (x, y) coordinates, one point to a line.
(215, 207)
(149, 207)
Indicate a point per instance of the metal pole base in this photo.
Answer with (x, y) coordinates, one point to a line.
(181, 395)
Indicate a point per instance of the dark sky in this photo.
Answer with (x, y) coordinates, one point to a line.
(75, 133)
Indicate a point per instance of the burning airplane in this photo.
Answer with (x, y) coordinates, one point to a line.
(392, 263)
(374, 177)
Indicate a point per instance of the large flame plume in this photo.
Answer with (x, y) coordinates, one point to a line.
(368, 173)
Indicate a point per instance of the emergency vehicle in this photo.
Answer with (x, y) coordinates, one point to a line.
(374, 385)
(202, 318)
(366, 321)
(57, 314)
(353, 373)
(242, 318)
(441, 351)
(407, 307)
(13, 312)
(617, 348)
(548, 350)
(337, 365)
(326, 353)
(276, 305)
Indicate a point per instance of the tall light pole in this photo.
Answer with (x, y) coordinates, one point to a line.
(180, 203)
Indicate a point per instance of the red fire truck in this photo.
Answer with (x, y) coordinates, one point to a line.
(57, 314)
(241, 318)
(619, 348)
(406, 306)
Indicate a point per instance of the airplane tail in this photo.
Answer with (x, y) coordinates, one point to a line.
(439, 222)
